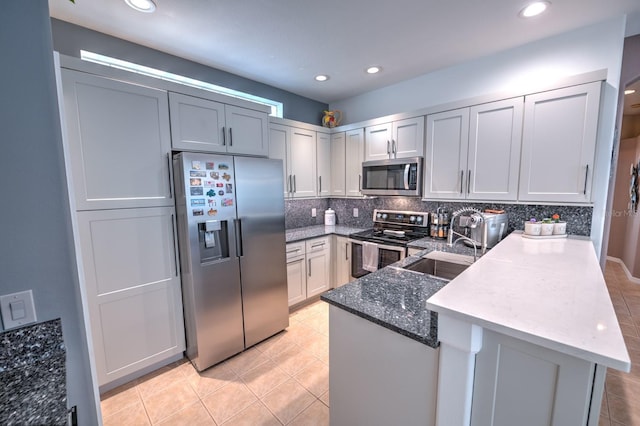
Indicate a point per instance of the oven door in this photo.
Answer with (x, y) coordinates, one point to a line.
(387, 254)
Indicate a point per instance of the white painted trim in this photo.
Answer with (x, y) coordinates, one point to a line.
(76, 241)
(624, 268)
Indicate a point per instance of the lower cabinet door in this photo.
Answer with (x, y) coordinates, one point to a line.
(342, 264)
(296, 280)
(132, 287)
(318, 272)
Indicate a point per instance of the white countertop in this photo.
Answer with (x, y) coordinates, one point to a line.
(550, 292)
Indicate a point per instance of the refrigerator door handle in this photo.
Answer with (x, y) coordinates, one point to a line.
(169, 172)
(238, 230)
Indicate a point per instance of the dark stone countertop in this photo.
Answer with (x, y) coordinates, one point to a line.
(396, 298)
(300, 234)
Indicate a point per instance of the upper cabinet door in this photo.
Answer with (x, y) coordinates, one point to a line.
(247, 131)
(354, 152)
(119, 142)
(196, 124)
(558, 144)
(338, 164)
(495, 135)
(378, 142)
(323, 150)
(303, 162)
(279, 140)
(408, 138)
(445, 174)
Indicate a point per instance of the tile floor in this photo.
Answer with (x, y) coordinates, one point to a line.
(285, 380)
(621, 402)
(281, 381)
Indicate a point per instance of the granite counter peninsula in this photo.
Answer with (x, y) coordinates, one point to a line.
(523, 336)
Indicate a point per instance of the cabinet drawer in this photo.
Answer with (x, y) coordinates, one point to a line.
(317, 244)
(295, 250)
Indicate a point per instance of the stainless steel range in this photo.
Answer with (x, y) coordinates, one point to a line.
(387, 242)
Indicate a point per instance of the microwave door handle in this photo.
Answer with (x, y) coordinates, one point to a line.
(407, 167)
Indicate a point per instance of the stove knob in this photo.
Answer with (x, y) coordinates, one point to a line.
(379, 215)
(419, 219)
(412, 219)
(384, 215)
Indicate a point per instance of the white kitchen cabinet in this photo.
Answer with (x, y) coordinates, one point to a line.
(308, 268)
(446, 154)
(338, 165)
(133, 290)
(323, 152)
(297, 148)
(558, 144)
(119, 142)
(199, 124)
(493, 165)
(354, 152)
(473, 153)
(296, 272)
(318, 252)
(399, 139)
(341, 261)
(517, 382)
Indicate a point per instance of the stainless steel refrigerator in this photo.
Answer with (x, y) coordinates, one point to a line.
(232, 253)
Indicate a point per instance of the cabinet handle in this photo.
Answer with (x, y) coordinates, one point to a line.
(295, 187)
(293, 251)
(320, 181)
(169, 170)
(175, 246)
(230, 136)
(309, 266)
(359, 183)
(346, 251)
(394, 147)
(469, 182)
(317, 245)
(586, 175)
(461, 180)
(388, 147)
(224, 136)
(290, 188)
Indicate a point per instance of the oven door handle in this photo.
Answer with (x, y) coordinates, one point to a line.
(407, 167)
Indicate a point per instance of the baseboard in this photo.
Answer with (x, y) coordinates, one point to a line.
(624, 268)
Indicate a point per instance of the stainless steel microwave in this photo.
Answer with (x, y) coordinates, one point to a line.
(399, 176)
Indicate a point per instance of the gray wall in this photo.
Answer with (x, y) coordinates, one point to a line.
(69, 39)
(36, 250)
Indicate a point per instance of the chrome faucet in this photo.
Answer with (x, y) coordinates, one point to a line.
(477, 219)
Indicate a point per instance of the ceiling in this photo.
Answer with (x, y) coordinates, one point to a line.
(285, 43)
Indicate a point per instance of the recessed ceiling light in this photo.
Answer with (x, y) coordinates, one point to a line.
(373, 70)
(629, 92)
(147, 6)
(321, 77)
(534, 9)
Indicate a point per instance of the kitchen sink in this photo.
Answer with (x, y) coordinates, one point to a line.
(441, 264)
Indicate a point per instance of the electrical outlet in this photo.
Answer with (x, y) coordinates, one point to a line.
(355, 212)
(313, 212)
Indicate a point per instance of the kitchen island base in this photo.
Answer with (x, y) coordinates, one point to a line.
(377, 376)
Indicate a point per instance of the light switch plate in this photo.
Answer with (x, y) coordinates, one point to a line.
(355, 212)
(17, 309)
(313, 212)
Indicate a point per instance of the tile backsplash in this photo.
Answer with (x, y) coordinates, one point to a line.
(298, 212)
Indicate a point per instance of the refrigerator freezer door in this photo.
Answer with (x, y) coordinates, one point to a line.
(210, 267)
(260, 206)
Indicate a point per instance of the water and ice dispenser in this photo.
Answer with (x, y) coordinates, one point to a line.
(213, 240)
